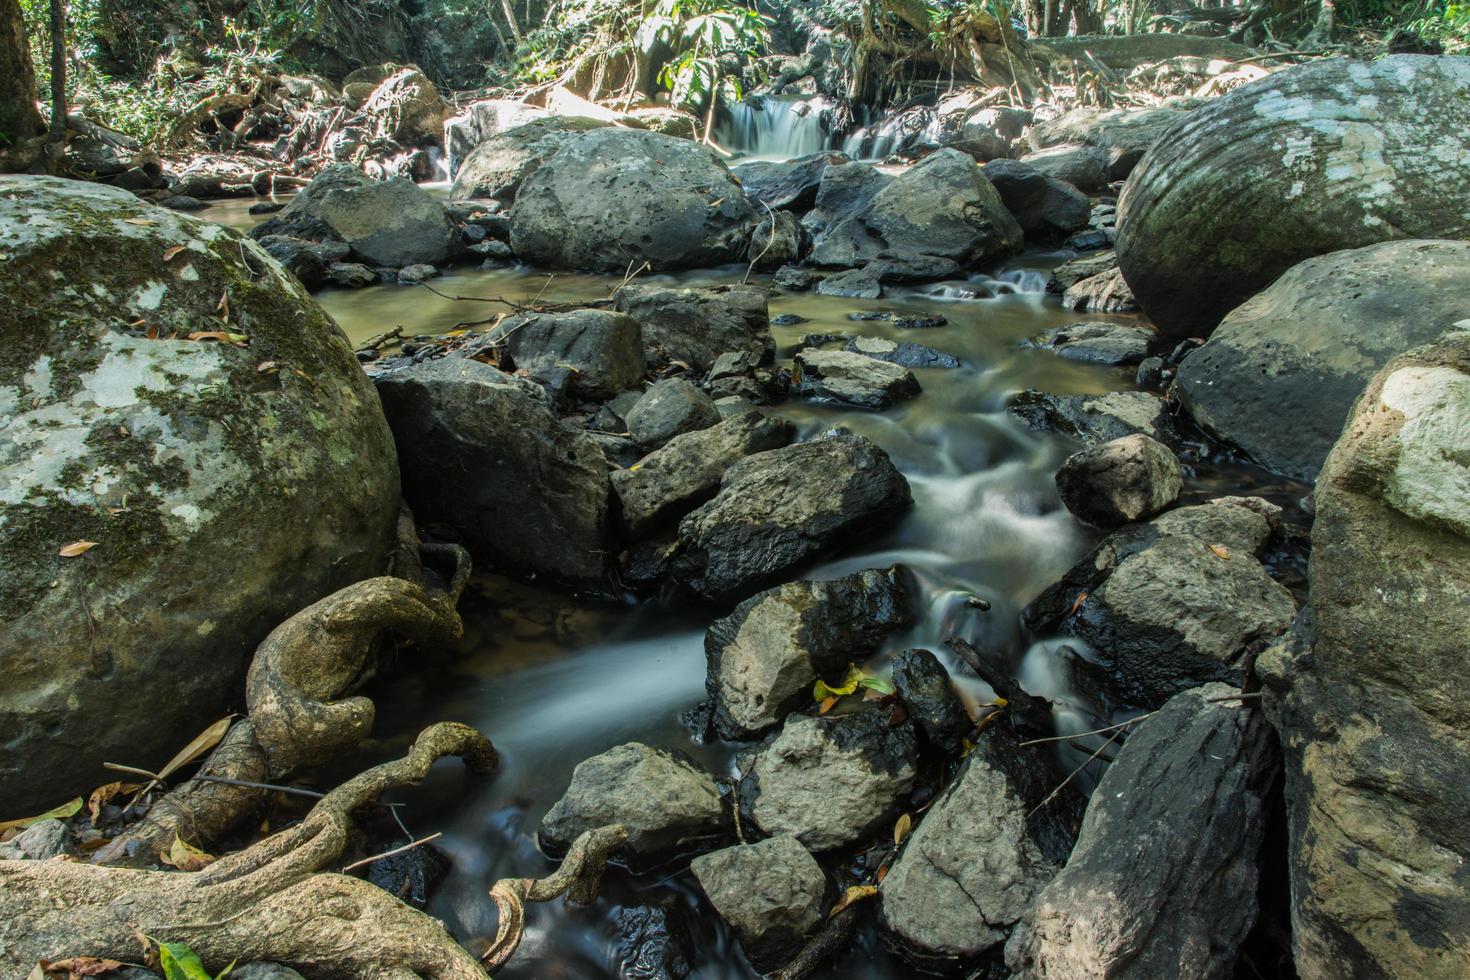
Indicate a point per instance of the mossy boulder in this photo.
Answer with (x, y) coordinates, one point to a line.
(1325, 156)
(226, 483)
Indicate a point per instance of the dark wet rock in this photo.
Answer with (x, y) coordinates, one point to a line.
(771, 893)
(1091, 239)
(652, 945)
(1124, 135)
(733, 364)
(765, 656)
(1121, 481)
(791, 184)
(981, 852)
(777, 510)
(266, 207)
(830, 781)
(1152, 374)
(41, 841)
(1369, 696)
(1095, 418)
(669, 804)
(923, 686)
(698, 325)
(352, 275)
(844, 189)
(684, 473)
(776, 240)
(941, 208)
(788, 320)
(482, 453)
(169, 454)
(412, 875)
(1077, 164)
(852, 284)
(795, 278)
(919, 321)
(1154, 888)
(1172, 603)
(603, 349)
(310, 262)
(901, 352)
(1047, 209)
(1099, 342)
(1319, 157)
(1107, 292)
(619, 450)
(669, 408)
(1280, 374)
(855, 380)
(182, 202)
(420, 272)
(615, 198)
(497, 167)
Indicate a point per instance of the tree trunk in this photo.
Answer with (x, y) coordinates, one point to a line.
(510, 20)
(56, 134)
(19, 118)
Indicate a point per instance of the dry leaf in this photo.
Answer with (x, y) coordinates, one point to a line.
(76, 548)
(220, 335)
(82, 966)
(153, 332)
(1081, 598)
(264, 366)
(185, 857)
(855, 893)
(170, 253)
(882, 873)
(1222, 552)
(897, 715)
(901, 828)
(137, 323)
(103, 795)
(140, 221)
(201, 744)
(827, 705)
(224, 305)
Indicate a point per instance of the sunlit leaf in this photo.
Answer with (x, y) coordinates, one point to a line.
(822, 690)
(185, 856)
(200, 744)
(901, 828)
(76, 548)
(170, 253)
(179, 962)
(1221, 552)
(855, 893)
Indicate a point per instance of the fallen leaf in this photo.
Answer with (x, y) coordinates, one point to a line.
(822, 690)
(827, 705)
(152, 332)
(170, 253)
(140, 221)
(880, 684)
(201, 744)
(1222, 552)
(901, 828)
(63, 812)
(882, 873)
(179, 962)
(265, 366)
(103, 795)
(224, 305)
(1081, 598)
(137, 323)
(76, 548)
(185, 857)
(82, 966)
(855, 893)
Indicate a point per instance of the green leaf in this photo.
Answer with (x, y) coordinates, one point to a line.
(63, 812)
(179, 962)
(880, 684)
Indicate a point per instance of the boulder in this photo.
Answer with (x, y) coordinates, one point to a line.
(1329, 155)
(1121, 481)
(923, 686)
(1124, 135)
(616, 198)
(1281, 372)
(685, 472)
(311, 262)
(1077, 164)
(1107, 292)
(1153, 888)
(1046, 208)
(662, 119)
(776, 240)
(941, 208)
(479, 121)
(669, 408)
(171, 455)
(1369, 697)
(499, 165)
(698, 325)
(790, 184)
(1073, 271)
(670, 805)
(765, 656)
(855, 380)
(771, 893)
(853, 284)
(827, 781)
(1099, 342)
(778, 510)
(603, 349)
(482, 452)
(1173, 603)
(407, 108)
(1095, 418)
(843, 189)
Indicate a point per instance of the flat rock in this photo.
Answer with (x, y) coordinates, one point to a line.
(1082, 166)
(1107, 292)
(1099, 342)
(789, 184)
(900, 352)
(669, 408)
(1095, 419)
(855, 380)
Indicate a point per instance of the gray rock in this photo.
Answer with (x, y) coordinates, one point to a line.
(684, 473)
(615, 198)
(852, 284)
(828, 781)
(407, 108)
(1124, 135)
(265, 971)
(765, 656)
(1107, 292)
(1319, 157)
(497, 167)
(604, 349)
(733, 406)
(844, 189)
(182, 202)
(789, 184)
(669, 408)
(169, 454)
(923, 685)
(1369, 696)
(1153, 888)
(941, 208)
(771, 893)
(41, 841)
(1121, 481)
(353, 275)
(1280, 374)
(420, 272)
(1099, 342)
(698, 325)
(1046, 208)
(482, 453)
(1172, 603)
(308, 261)
(901, 352)
(479, 121)
(776, 240)
(778, 510)
(794, 278)
(855, 380)
(670, 806)
(1095, 419)
(1083, 167)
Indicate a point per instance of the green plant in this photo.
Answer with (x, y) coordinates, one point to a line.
(701, 33)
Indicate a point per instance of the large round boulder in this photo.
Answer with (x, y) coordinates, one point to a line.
(497, 167)
(170, 395)
(1330, 155)
(1281, 372)
(615, 198)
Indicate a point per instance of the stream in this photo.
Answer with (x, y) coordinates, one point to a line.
(554, 679)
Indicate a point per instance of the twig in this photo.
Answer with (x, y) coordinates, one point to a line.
(1071, 775)
(397, 850)
(1099, 731)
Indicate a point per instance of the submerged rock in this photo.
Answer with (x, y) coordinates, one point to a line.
(766, 655)
(1323, 156)
(1121, 481)
(1097, 342)
(698, 325)
(1154, 888)
(1095, 418)
(175, 457)
(651, 943)
(482, 453)
(603, 349)
(669, 408)
(853, 379)
(669, 805)
(900, 352)
(771, 893)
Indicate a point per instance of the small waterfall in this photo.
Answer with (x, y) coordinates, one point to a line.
(776, 128)
(883, 136)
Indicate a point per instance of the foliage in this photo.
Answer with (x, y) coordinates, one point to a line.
(701, 32)
(179, 962)
(1447, 23)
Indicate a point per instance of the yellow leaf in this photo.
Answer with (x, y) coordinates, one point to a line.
(201, 744)
(185, 857)
(103, 795)
(76, 548)
(821, 691)
(63, 812)
(1221, 552)
(855, 893)
(901, 828)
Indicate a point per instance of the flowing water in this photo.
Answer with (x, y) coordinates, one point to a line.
(553, 680)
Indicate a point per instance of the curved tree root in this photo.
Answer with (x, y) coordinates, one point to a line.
(272, 901)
